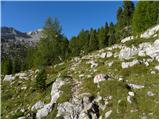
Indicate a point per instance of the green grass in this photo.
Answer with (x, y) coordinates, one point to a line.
(66, 93)
(89, 87)
(138, 41)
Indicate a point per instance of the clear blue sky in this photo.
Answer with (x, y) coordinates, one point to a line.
(73, 16)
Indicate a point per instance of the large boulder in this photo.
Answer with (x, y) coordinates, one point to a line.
(8, 78)
(100, 77)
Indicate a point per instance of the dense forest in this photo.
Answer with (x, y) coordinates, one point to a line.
(54, 47)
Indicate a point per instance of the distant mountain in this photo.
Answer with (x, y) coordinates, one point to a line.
(14, 42)
(10, 34)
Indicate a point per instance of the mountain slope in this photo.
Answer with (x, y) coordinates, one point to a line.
(120, 81)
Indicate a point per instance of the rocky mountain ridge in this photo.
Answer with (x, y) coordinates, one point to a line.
(120, 81)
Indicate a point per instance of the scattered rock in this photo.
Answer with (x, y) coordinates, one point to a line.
(157, 67)
(150, 93)
(134, 86)
(110, 64)
(23, 88)
(22, 117)
(129, 99)
(109, 54)
(153, 72)
(107, 114)
(103, 55)
(131, 93)
(120, 79)
(129, 64)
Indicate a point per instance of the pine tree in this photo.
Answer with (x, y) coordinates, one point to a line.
(146, 15)
(128, 12)
(93, 42)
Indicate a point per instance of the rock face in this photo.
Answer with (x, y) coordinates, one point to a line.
(100, 77)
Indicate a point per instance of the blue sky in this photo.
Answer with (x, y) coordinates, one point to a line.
(73, 16)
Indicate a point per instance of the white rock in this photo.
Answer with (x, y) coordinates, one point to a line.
(146, 63)
(110, 97)
(55, 93)
(150, 32)
(109, 54)
(129, 99)
(22, 117)
(22, 110)
(141, 53)
(131, 93)
(134, 86)
(100, 77)
(129, 64)
(44, 111)
(107, 114)
(120, 79)
(8, 78)
(23, 88)
(37, 71)
(127, 53)
(39, 104)
(157, 67)
(81, 76)
(150, 93)
(93, 64)
(110, 64)
(153, 72)
(103, 55)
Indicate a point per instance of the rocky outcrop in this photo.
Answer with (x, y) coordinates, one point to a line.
(143, 49)
(55, 93)
(79, 108)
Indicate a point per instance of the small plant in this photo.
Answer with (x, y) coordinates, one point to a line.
(41, 80)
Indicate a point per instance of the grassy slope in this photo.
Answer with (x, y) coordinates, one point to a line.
(14, 98)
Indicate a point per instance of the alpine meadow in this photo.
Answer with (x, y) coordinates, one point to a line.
(105, 72)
